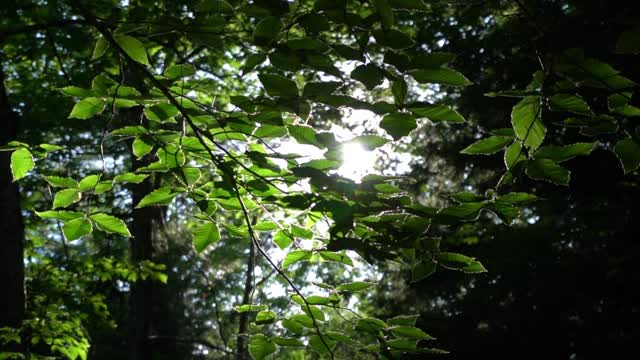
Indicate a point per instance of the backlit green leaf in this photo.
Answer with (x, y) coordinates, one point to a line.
(410, 332)
(21, 163)
(76, 228)
(205, 235)
(355, 286)
(440, 76)
(88, 182)
(546, 169)
(86, 108)
(101, 47)
(294, 257)
(265, 317)
(110, 224)
(526, 121)
(490, 145)
(260, 347)
(564, 153)
(179, 71)
(65, 198)
(161, 196)
(134, 48)
(628, 151)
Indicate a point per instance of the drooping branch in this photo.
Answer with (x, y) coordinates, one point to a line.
(200, 135)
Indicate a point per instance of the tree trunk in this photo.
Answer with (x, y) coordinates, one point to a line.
(141, 300)
(12, 300)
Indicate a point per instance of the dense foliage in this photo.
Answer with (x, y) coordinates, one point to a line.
(209, 134)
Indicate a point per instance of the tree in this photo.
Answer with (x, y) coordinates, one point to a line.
(198, 102)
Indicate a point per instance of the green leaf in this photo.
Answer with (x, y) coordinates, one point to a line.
(393, 39)
(260, 347)
(513, 155)
(110, 224)
(370, 325)
(134, 48)
(440, 76)
(569, 102)
(293, 326)
(369, 142)
(86, 108)
(435, 113)
(432, 60)
(548, 170)
(65, 198)
(314, 23)
(490, 145)
(249, 308)
(303, 319)
(525, 119)
(205, 235)
(267, 29)
(312, 89)
(101, 47)
(103, 186)
(265, 317)
(398, 124)
(65, 182)
(628, 151)
(454, 261)
(161, 112)
(320, 346)
(77, 92)
(88, 183)
(475, 266)
(21, 163)
(340, 257)
(422, 269)
(276, 85)
(369, 75)
(252, 61)
(178, 71)
(161, 196)
(465, 211)
(563, 153)
(399, 91)
(348, 52)
(281, 341)
(517, 197)
(63, 215)
(411, 332)
(402, 344)
(265, 226)
(403, 320)
(301, 232)
(76, 228)
(141, 147)
(304, 135)
(355, 286)
(130, 178)
(294, 257)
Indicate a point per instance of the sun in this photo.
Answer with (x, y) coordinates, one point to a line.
(356, 161)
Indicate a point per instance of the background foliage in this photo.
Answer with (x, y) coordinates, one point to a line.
(171, 124)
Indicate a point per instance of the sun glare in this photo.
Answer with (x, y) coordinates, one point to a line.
(357, 161)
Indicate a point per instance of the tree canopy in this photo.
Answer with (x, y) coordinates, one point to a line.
(175, 177)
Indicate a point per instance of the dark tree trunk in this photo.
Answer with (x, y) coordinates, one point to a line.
(141, 300)
(12, 300)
